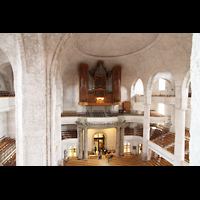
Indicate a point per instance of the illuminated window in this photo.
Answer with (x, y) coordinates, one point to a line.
(127, 147)
(98, 135)
(161, 84)
(161, 108)
(139, 87)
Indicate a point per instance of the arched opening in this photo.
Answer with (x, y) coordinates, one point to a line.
(7, 113)
(137, 90)
(99, 141)
(162, 84)
(137, 87)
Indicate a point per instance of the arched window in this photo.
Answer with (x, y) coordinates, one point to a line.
(161, 84)
(139, 89)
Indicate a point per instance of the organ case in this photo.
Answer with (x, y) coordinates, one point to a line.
(99, 87)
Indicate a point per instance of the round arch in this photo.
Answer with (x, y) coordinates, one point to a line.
(12, 50)
(186, 80)
(160, 74)
(105, 139)
(185, 87)
(133, 86)
(52, 74)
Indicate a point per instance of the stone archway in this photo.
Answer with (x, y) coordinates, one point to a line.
(99, 138)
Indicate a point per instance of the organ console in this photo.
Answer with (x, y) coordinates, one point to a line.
(99, 87)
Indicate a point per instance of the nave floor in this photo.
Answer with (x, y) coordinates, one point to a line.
(127, 160)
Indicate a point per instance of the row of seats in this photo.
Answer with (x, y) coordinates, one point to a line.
(168, 142)
(68, 113)
(10, 160)
(7, 146)
(113, 113)
(139, 131)
(84, 162)
(97, 113)
(163, 95)
(6, 94)
(165, 141)
(129, 131)
(127, 160)
(69, 134)
(187, 158)
(158, 162)
(159, 132)
(171, 148)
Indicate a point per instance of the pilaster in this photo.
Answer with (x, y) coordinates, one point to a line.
(85, 143)
(117, 141)
(31, 144)
(80, 142)
(122, 141)
(146, 134)
(179, 137)
(195, 103)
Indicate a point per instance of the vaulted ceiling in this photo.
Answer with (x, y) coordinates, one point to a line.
(139, 54)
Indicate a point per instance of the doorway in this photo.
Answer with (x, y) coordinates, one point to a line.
(127, 147)
(99, 141)
(72, 152)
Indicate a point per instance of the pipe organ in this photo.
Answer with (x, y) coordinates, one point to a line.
(99, 87)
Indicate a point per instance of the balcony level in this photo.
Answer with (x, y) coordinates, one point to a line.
(72, 117)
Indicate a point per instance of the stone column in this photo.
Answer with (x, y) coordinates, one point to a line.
(85, 143)
(31, 104)
(117, 140)
(146, 127)
(80, 142)
(122, 141)
(172, 125)
(179, 150)
(195, 103)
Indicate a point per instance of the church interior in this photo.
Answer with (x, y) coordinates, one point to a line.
(99, 99)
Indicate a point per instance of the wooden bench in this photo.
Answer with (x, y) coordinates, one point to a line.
(93, 157)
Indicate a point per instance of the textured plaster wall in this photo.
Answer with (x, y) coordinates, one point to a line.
(2, 85)
(11, 129)
(168, 89)
(195, 103)
(3, 124)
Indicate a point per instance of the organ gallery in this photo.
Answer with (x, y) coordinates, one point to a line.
(99, 86)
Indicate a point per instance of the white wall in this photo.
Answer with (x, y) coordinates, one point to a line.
(187, 118)
(134, 141)
(168, 89)
(3, 123)
(11, 123)
(2, 85)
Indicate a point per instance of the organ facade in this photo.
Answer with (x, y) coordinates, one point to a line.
(98, 86)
